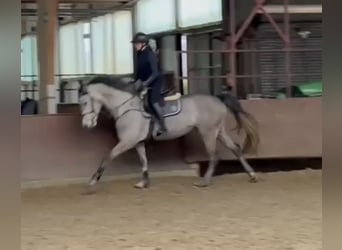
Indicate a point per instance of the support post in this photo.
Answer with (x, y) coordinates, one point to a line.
(232, 45)
(47, 27)
(287, 49)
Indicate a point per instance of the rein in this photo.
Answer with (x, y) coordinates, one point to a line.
(142, 94)
(124, 102)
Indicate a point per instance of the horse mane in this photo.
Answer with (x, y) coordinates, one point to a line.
(113, 81)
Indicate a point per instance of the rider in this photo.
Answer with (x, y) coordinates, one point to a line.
(147, 71)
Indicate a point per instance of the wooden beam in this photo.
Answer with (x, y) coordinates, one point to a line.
(294, 9)
(47, 28)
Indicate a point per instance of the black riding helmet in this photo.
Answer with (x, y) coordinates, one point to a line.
(140, 38)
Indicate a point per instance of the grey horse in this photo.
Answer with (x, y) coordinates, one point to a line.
(135, 126)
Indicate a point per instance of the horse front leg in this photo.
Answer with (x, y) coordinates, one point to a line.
(145, 181)
(98, 174)
(120, 148)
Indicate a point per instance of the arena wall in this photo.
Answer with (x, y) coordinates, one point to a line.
(289, 128)
(55, 147)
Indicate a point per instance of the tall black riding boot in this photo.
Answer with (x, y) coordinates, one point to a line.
(159, 115)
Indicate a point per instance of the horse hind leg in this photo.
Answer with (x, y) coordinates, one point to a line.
(210, 142)
(236, 149)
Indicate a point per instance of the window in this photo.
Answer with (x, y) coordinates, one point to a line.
(68, 50)
(29, 60)
(204, 12)
(87, 47)
(122, 36)
(87, 52)
(155, 15)
(86, 29)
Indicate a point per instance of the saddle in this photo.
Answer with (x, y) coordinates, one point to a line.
(172, 104)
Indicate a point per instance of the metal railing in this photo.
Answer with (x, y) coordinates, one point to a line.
(231, 50)
(31, 89)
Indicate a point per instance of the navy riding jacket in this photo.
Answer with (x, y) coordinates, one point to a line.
(147, 68)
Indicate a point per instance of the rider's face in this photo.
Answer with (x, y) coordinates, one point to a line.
(138, 46)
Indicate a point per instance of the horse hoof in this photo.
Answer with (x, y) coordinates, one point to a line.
(201, 184)
(141, 185)
(253, 179)
(92, 183)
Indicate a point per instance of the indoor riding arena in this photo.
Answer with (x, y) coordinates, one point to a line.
(267, 54)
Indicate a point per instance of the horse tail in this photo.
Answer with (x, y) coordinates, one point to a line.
(244, 121)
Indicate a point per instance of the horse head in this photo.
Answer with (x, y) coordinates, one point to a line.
(90, 107)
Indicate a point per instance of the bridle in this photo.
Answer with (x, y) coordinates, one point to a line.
(92, 109)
